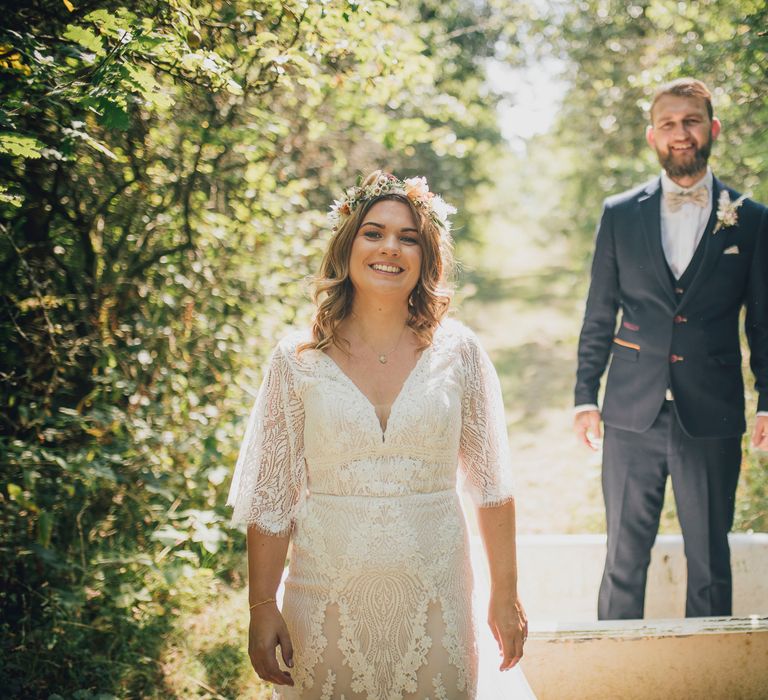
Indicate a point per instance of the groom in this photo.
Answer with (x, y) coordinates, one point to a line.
(678, 257)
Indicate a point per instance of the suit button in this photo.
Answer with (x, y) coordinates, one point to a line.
(676, 358)
(680, 319)
(679, 290)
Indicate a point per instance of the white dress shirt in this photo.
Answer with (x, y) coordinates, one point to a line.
(681, 230)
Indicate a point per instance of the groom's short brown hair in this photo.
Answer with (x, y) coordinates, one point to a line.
(685, 87)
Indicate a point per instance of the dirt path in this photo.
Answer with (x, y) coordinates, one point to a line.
(525, 300)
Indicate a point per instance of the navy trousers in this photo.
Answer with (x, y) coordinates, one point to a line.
(704, 475)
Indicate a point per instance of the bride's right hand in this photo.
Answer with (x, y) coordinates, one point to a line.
(266, 632)
(509, 625)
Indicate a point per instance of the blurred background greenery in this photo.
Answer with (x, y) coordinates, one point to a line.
(165, 168)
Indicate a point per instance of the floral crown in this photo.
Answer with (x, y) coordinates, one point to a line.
(414, 188)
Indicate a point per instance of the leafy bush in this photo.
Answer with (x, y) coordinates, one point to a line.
(166, 166)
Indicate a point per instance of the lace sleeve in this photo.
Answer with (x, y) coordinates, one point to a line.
(270, 475)
(483, 448)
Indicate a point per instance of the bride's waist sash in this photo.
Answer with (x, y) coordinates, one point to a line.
(338, 512)
(440, 495)
(381, 476)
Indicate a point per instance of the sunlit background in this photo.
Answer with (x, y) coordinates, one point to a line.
(165, 169)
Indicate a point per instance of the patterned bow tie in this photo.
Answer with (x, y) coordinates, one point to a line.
(675, 200)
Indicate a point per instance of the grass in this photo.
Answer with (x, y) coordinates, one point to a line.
(205, 656)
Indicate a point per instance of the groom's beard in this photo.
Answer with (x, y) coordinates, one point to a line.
(686, 167)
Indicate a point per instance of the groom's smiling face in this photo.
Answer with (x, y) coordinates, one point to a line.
(681, 132)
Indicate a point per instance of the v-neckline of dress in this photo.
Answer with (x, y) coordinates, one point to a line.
(382, 428)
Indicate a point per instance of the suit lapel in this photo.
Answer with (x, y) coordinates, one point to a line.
(713, 246)
(650, 214)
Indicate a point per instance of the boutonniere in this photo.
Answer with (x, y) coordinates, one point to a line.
(727, 211)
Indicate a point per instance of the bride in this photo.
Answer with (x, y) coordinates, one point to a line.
(352, 453)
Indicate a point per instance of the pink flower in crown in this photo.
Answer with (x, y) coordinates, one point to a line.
(416, 188)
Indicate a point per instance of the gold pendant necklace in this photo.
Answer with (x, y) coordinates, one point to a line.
(383, 356)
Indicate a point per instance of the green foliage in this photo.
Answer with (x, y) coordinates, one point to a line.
(17, 145)
(166, 167)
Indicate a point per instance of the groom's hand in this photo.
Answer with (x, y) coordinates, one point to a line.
(760, 433)
(586, 425)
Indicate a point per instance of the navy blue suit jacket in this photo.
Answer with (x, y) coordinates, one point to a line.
(686, 340)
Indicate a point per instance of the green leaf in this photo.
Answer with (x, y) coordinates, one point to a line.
(169, 536)
(263, 38)
(187, 556)
(44, 528)
(112, 115)
(14, 200)
(106, 21)
(233, 87)
(100, 471)
(142, 78)
(85, 37)
(20, 145)
(149, 42)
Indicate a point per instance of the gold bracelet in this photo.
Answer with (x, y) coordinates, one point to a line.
(262, 602)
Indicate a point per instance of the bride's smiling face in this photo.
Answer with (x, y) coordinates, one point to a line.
(385, 259)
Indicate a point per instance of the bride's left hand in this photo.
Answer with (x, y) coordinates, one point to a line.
(509, 624)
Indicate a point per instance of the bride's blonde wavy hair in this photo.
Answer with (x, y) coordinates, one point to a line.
(334, 293)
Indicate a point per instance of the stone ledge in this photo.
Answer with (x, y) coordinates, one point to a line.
(645, 629)
(712, 658)
(559, 576)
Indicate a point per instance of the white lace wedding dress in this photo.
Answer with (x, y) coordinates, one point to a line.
(378, 596)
